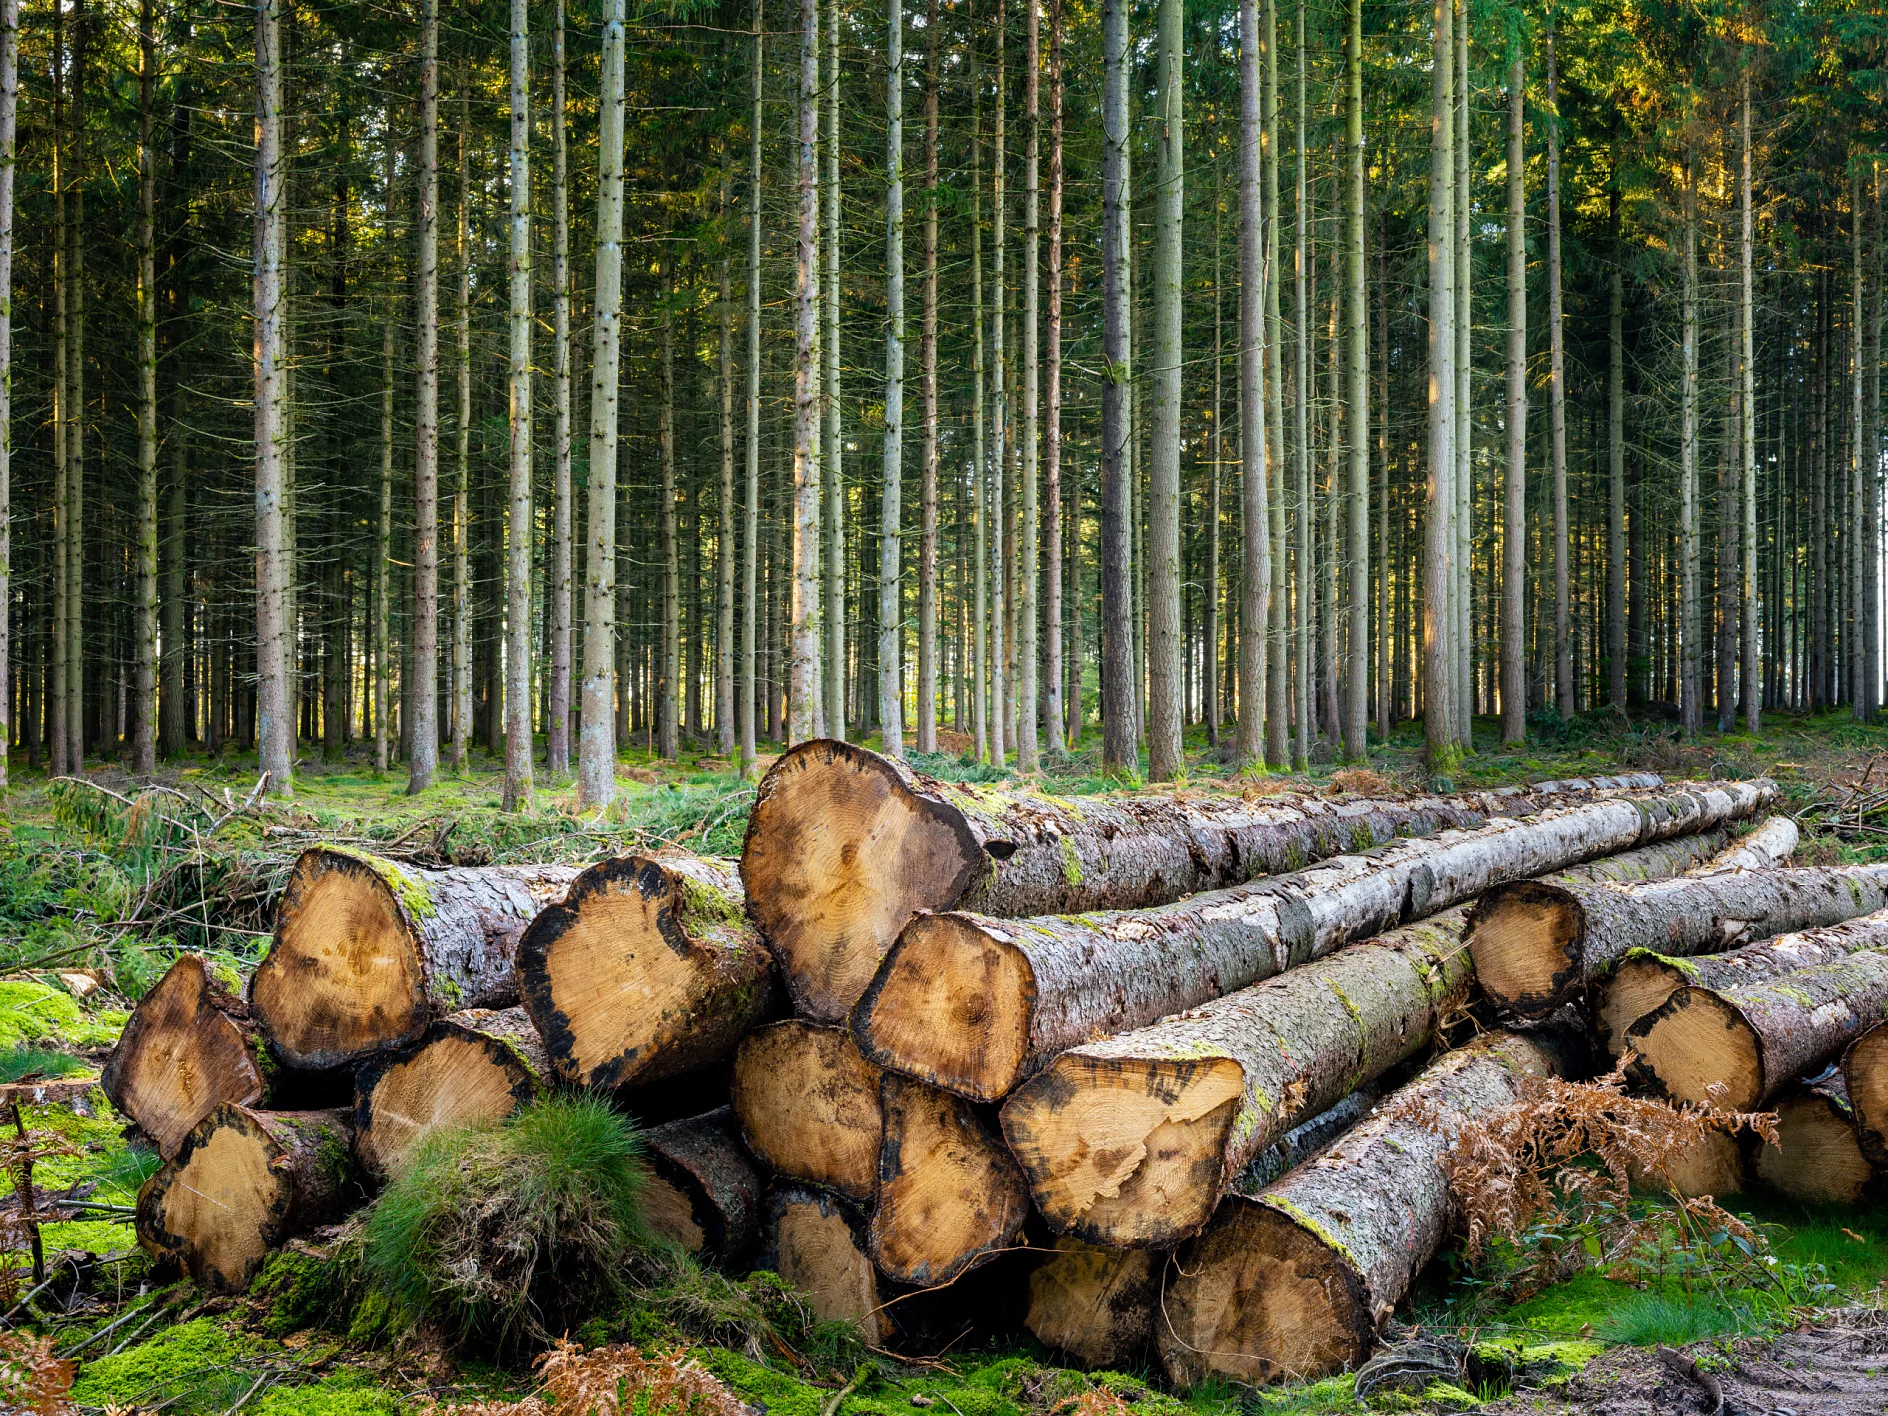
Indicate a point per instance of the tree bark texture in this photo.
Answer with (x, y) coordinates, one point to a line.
(423, 758)
(703, 1192)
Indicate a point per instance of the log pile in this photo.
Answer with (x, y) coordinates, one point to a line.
(1155, 1076)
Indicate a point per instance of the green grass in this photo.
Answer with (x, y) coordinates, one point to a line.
(1673, 1320)
(18, 1062)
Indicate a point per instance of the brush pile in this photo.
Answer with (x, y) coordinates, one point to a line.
(1151, 1074)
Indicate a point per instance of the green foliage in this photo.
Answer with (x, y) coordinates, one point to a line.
(1649, 1319)
(307, 1289)
(343, 1394)
(512, 1233)
(36, 1012)
(18, 1062)
(191, 1368)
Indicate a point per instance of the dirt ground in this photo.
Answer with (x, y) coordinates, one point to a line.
(1834, 1366)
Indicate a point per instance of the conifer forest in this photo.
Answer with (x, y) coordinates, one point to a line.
(544, 380)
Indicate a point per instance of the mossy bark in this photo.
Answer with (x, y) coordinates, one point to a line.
(704, 1189)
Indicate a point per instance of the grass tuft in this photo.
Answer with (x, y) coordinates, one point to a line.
(19, 1062)
(1649, 1319)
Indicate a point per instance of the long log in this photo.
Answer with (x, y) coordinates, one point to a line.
(188, 1047)
(977, 1005)
(816, 1241)
(845, 847)
(1293, 1283)
(476, 1066)
(1644, 979)
(703, 1192)
(949, 1194)
(1096, 1306)
(647, 968)
(1742, 1045)
(1771, 843)
(1818, 1156)
(808, 1105)
(242, 1182)
(1865, 1077)
(368, 953)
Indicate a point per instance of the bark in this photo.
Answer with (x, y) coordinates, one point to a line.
(242, 1183)
(1754, 1038)
(1616, 467)
(472, 1068)
(368, 953)
(1130, 1142)
(1818, 1156)
(1691, 704)
(383, 524)
(1438, 571)
(274, 726)
(1514, 484)
(724, 488)
(1029, 705)
(668, 732)
(1746, 364)
(459, 666)
(1301, 439)
(816, 1242)
(1865, 1074)
(1255, 609)
(423, 692)
(1462, 636)
(61, 510)
(703, 1192)
(891, 609)
(927, 376)
(1540, 945)
(646, 969)
(1557, 396)
(1277, 671)
(1356, 397)
(804, 686)
(187, 1048)
(520, 791)
(949, 1194)
(808, 1104)
(830, 716)
(270, 106)
(749, 685)
(1772, 843)
(144, 744)
(1165, 756)
(596, 740)
(1120, 751)
(978, 1005)
(1292, 1283)
(557, 693)
(1096, 1306)
(993, 481)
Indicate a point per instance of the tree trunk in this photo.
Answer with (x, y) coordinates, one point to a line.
(596, 740)
(1753, 1038)
(1865, 1073)
(1277, 660)
(423, 691)
(144, 747)
(1753, 652)
(1462, 637)
(668, 732)
(816, 1242)
(1096, 1305)
(1356, 403)
(187, 1048)
(750, 685)
(1538, 945)
(57, 729)
(703, 1192)
(557, 694)
(1255, 540)
(520, 792)
(891, 606)
(1616, 463)
(1557, 396)
(469, 1069)
(1292, 1283)
(243, 1182)
(949, 1194)
(1438, 574)
(459, 665)
(808, 1104)
(367, 953)
(1818, 1156)
(1120, 750)
(646, 969)
(1691, 703)
(1514, 524)
(275, 732)
(804, 718)
(270, 105)
(1301, 433)
(993, 481)
(1166, 758)
(977, 1005)
(1029, 704)
(927, 376)
(724, 486)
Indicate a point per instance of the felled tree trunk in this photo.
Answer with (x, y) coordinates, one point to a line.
(816, 1241)
(473, 1067)
(1772, 843)
(703, 1192)
(368, 953)
(1818, 1155)
(808, 1105)
(977, 1005)
(1538, 945)
(1294, 1282)
(1865, 1077)
(187, 1048)
(1713, 1165)
(1094, 1305)
(647, 968)
(241, 1183)
(844, 847)
(949, 1194)
(1644, 979)
(1754, 1040)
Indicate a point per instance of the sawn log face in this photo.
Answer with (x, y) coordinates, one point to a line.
(465, 1070)
(704, 1191)
(1865, 1075)
(808, 1105)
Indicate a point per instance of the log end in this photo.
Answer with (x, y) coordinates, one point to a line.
(221, 1204)
(1261, 1298)
(815, 1242)
(343, 978)
(1713, 1166)
(1526, 939)
(1818, 1156)
(1865, 1070)
(703, 1193)
(1126, 1153)
(808, 1104)
(1639, 985)
(951, 1005)
(1697, 1047)
(454, 1076)
(1094, 1305)
(179, 1058)
(840, 853)
(617, 987)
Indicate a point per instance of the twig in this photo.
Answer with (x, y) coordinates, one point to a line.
(114, 1324)
(831, 1405)
(136, 1333)
(1687, 1369)
(242, 1400)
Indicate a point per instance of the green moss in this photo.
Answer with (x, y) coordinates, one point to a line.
(191, 1368)
(707, 905)
(1071, 863)
(782, 1395)
(343, 1394)
(409, 890)
(34, 1012)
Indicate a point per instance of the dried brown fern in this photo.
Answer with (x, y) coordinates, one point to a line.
(610, 1381)
(31, 1377)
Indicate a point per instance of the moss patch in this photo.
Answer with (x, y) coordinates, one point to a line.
(193, 1367)
(35, 1012)
(343, 1394)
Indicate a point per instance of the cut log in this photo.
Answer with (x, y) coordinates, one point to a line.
(474, 1067)
(187, 1048)
(1644, 979)
(1713, 1166)
(844, 847)
(1096, 1306)
(1771, 843)
(1865, 1078)
(1293, 1283)
(1306, 1139)
(242, 1182)
(949, 1194)
(1818, 1156)
(977, 1005)
(1742, 1045)
(1539, 945)
(367, 953)
(808, 1105)
(816, 1241)
(703, 1192)
(646, 969)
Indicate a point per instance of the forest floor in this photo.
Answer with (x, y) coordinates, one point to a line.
(100, 885)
